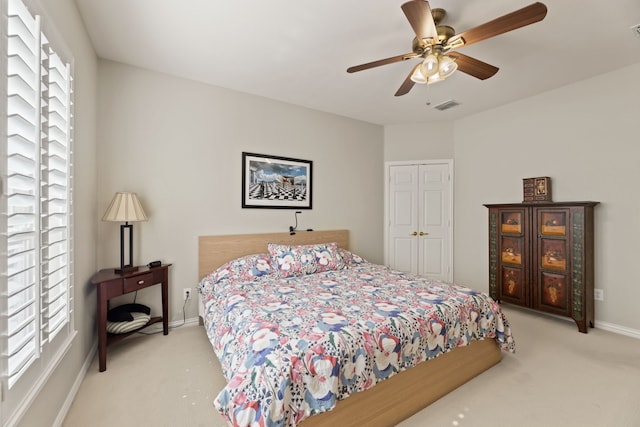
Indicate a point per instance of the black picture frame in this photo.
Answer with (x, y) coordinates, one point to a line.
(274, 182)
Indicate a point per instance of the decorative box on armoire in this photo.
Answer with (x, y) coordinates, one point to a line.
(541, 257)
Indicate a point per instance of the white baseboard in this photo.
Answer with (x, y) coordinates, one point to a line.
(622, 330)
(76, 386)
(605, 326)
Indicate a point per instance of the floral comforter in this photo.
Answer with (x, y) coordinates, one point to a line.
(291, 347)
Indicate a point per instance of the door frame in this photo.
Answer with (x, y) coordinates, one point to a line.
(387, 177)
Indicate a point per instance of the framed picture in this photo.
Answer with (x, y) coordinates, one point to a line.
(273, 182)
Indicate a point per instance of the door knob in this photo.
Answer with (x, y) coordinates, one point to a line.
(423, 233)
(415, 233)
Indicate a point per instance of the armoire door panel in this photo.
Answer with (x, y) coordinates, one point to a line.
(513, 285)
(554, 293)
(511, 250)
(553, 254)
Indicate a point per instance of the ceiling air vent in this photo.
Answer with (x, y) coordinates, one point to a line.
(446, 105)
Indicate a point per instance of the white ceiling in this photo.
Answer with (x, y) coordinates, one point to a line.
(297, 51)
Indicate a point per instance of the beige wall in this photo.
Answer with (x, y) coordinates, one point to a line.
(585, 137)
(52, 397)
(178, 144)
(424, 141)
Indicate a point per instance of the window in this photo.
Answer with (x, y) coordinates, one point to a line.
(36, 298)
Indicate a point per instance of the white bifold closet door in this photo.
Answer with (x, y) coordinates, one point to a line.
(419, 214)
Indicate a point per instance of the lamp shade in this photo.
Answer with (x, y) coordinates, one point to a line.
(418, 77)
(434, 79)
(125, 207)
(447, 66)
(429, 66)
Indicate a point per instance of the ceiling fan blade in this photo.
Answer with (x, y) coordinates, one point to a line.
(522, 17)
(419, 15)
(381, 62)
(407, 84)
(473, 67)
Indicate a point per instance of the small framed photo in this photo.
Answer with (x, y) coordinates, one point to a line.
(272, 182)
(537, 189)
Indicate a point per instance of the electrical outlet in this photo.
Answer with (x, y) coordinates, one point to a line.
(187, 294)
(598, 294)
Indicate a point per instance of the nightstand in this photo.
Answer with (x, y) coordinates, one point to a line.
(110, 285)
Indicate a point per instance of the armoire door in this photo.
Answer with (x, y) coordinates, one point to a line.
(552, 265)
(419, 219)
(511, 262)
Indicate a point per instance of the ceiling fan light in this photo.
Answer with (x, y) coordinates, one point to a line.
(418, 77)
(447, 66)
(434, 79)
(429, 66)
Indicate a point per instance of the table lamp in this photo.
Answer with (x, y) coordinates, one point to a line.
(125, 207)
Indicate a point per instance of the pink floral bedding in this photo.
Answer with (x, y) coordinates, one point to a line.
(291, 347)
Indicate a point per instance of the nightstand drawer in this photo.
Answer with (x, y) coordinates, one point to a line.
(138, 282)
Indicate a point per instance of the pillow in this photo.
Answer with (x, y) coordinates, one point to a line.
(137, 322)
(246, 269)
(305, 259)
(351, 259)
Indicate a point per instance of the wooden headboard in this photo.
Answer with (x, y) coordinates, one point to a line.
(213, 251)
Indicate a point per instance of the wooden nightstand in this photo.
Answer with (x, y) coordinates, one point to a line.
(111, 285)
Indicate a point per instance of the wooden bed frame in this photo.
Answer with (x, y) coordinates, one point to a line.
(391, 400)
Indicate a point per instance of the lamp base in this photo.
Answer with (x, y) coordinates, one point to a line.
(125, 270)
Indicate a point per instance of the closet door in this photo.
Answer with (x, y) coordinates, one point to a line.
(434, 221)
(419, 212)
(402, 238)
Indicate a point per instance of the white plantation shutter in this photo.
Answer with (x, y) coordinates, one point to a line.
(36, 298)
(23, 131)
(55, 195)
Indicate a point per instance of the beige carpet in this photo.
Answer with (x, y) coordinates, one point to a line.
(558, 377)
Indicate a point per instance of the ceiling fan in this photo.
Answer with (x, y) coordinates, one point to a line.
(436, 44)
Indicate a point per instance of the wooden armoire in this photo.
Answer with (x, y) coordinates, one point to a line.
(541, 257)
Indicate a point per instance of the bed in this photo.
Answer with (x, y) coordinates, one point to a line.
(384, 387)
